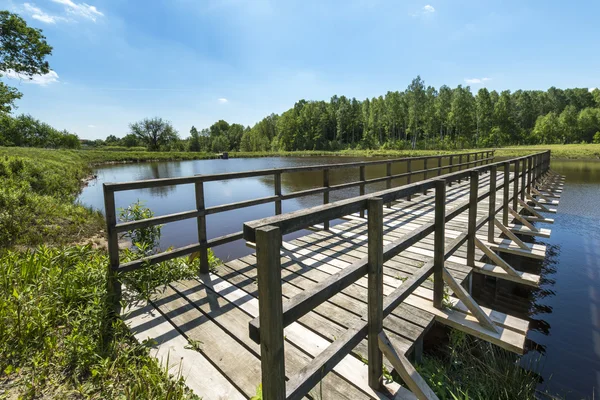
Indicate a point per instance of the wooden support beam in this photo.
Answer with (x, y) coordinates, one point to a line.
(388, 182)
(506, 193)
(404, 368)
(495, 258)
(375, 291)
(530, 209)
(510, 235)
(468, 301)
(516, 185)
(538, 204)
(492, 203)
(201, 222)
(113, 285)
(439, 245)
(268, 243)
(362, 186)
(326, 194)
(277, 188)
(522, 220)
(471, 229)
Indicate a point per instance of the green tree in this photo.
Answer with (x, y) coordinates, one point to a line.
(416, 104)
(568, 123)
(23, 50)
(194, 139)
(154, 132)
(548, 129)
(588, 122)
(484, 116)
(130, 140)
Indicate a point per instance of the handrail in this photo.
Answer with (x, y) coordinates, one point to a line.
(304, 218)
(150, 183)
(114, 228)
(274, 315)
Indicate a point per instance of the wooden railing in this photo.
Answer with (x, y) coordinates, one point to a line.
(274, 315)
(114, 228)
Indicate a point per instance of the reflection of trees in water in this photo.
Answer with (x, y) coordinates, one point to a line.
(161, 170)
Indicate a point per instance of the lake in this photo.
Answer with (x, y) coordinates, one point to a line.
(565, 310)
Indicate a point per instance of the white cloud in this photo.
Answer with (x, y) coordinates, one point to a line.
(223, 100)
(477, 81)
(592, 89)
(426, 10)
(83, 10)
(42, 80)
(37, 13)
(91, 126)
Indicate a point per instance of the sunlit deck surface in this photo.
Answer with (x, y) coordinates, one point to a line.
(200, 326)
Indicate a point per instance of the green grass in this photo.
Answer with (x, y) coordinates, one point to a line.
(52, 308)
(472, 369)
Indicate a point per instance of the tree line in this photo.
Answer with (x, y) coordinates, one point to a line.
(419, 117)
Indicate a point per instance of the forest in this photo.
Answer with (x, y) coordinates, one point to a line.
(420, 117)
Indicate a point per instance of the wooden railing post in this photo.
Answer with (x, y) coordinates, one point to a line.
(516, 186)
(492, 203)
(409, 176)
(439, 165)
(326, 194)
(270, 312)
(473, 194)
(460, 160)
(468, 161)
(529, 168)
(277, 187)
(523, 177)
(113, 285)
(200, 207)
(451, 169)
(375, 290)
(506, 195)
(362, 186)
(388, 182)
(439, 243)
(425, 173)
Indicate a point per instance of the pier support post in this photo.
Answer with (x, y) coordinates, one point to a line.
(200, 207)
(409, 176)
(375, 290)
(474, 186)
(326, 195)
(523, 178)
(388, 170)
(362, 186)
(113, 285)
(516, 186)
(270, 307)
(492, 203)
(439, 243)
(506, 193)
(277, 190)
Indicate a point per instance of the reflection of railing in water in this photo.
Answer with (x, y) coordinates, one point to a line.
(201, 211)
(274, 316)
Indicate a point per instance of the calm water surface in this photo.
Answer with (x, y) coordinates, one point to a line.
(565, 310)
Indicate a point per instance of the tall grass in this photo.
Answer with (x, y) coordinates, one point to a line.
(52, 308)
(470, 368)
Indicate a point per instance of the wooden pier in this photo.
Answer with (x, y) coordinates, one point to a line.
(323, 314)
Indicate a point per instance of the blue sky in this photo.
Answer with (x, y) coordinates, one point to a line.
(194, 62)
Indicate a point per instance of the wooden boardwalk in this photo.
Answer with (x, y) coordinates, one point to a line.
(200, 327)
